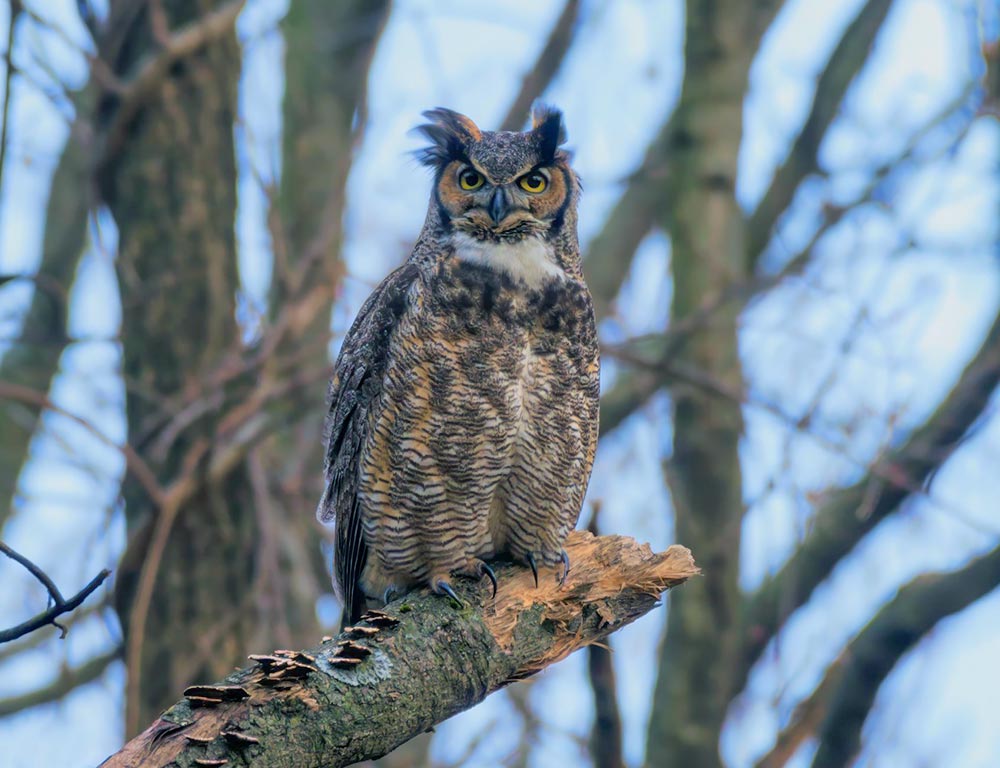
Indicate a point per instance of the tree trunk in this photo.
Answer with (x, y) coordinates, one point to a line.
(170, 182)
(706, 228)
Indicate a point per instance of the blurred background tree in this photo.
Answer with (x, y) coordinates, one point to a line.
(791, 232)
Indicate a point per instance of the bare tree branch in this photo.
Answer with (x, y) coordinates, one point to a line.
(846, 61)
(69, 679)
(606, 734)
(606, 737)
(609, 255)
(849, 513)
(35, 639)
(537, 79)
(409, 667)
(60, 605)
(806, 719)
(134, 463)
(874, 653)
(26, 363)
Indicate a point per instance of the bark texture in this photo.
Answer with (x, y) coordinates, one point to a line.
(410, 666)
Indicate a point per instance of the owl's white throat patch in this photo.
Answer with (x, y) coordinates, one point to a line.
(530, 260)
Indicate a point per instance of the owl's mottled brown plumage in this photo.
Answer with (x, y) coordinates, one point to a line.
(464, 404)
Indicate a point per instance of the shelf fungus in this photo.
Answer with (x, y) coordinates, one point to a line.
(239, 740)
(216, 693)
(379, 620)
(358, 631)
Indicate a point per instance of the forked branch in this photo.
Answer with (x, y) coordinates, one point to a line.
(59, 604)
(404, 669)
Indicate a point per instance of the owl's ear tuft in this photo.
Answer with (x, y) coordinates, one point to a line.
(450, 134)
(547, 125)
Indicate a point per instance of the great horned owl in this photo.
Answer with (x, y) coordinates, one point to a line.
(464, 403)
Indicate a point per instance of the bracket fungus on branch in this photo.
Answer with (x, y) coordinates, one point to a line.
(403, 669)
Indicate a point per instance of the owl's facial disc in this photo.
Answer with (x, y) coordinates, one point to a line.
(505, 208)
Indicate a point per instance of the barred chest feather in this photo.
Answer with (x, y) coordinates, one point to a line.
(484, 434)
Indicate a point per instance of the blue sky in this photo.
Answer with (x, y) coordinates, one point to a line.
(882, 334)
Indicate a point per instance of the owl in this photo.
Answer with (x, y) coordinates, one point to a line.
(463, 409)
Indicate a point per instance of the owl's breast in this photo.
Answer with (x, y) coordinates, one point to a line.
(529, 351)
(487, 412)
(531, 358)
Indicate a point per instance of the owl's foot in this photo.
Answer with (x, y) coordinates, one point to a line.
(443, 587)
(476, 569)
(534, 567)
(563, 558)
(485, 570)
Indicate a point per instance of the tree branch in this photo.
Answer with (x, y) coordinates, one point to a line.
(35, 639)
(546, 67)
(609, 255)
(408, 667)
(874, 653)
(850, 513)
(69, 679)
(845, 62)
(59, 604)
(806, 719)
(606, 736)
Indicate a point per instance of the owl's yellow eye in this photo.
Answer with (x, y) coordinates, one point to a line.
(470, 180)
(533, 182)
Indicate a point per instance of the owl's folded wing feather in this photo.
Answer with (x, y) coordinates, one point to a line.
(354, 392)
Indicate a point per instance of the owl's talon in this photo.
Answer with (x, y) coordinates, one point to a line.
(486, 571)
(564, 556)
(389, 594)
(534, 567)
(443, 587)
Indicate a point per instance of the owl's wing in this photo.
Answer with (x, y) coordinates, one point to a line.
(354, 391)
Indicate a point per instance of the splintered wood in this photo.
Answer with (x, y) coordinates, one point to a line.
(601, 569)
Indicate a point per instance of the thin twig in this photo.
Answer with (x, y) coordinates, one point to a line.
(59, 604)
(35, 639)
(885, 469)
(35, 571)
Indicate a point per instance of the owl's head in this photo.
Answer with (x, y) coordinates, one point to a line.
(502, 186)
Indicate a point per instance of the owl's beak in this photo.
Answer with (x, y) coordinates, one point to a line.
(499, 206)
